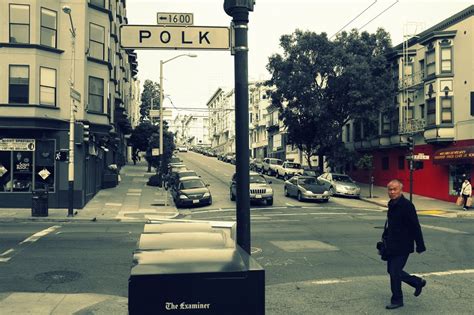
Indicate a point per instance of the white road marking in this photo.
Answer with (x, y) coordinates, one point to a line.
(5, 259)
(442, 229)
(37, 236)
(113, 204)
(7, 252)
(289, 204)
(357, 279)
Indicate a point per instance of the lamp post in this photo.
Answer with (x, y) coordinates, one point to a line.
(161, 101)
(70, 212)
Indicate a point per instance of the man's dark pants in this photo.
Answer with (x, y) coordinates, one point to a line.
(395, 266)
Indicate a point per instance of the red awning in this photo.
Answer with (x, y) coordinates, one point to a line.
(454, 155)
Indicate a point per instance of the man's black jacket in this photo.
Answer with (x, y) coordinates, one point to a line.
(403, 228)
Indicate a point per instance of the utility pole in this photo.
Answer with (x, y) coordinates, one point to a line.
(239, 11)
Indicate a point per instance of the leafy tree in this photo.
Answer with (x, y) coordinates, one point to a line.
(151, 90)
(319, 86)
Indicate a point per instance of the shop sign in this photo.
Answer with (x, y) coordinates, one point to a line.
(155, 152)
(17, 145)
(458, 155)
(44, 173)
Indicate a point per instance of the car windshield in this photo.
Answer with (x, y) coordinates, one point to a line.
(185, 174)
(342, 178)
(310, 173)
(307, 181)
(192, 183)
(277, 162)
(293, 165)
(175, 160)
(257, 179)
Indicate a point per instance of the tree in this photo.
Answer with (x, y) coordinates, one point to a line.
(319, 86)
(151, 90)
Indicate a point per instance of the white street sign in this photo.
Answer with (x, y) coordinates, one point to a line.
(3, 170)
(421, 156)
(170, 18)
(174, 37)
(155, 152)
(75, 95)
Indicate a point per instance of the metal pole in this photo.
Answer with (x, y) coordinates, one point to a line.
(161, 121)
(239, 10)
(70, 212)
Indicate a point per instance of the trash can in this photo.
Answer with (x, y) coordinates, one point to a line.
(39, 205)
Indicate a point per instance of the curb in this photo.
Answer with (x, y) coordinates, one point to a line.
(375, 202)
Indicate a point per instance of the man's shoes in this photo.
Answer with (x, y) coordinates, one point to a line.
(420, 287)
(393, 306)
(464, 209)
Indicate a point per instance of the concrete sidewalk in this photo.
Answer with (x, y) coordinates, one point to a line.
(423, 204)
(131, 200)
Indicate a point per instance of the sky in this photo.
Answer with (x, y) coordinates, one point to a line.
(190, 82)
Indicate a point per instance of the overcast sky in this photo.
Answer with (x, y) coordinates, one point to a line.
(190, 82)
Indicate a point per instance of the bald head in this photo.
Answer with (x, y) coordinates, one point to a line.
(395, 188)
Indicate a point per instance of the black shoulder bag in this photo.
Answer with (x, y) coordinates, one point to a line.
(382, 244)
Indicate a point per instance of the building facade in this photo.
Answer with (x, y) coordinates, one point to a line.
(222, 121)
(44, 70)
(259, 100)
(434, 108)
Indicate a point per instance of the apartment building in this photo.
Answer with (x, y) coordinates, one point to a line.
(222, 121)
(434, 108)
(47, 47)
(259, 100)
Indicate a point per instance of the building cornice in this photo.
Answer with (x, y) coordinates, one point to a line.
(32, 46)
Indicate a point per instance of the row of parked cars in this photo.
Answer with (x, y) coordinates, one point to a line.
(186, 186)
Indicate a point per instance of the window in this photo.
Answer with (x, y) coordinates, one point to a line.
(385, 124)
(5, 170)
(99, 3)
(422, 111)
(385, 161)
(19, 23)
(431, 112)
(446, 110)
(348, 133)
(48, 27)
(44, 165)
(96, 95)
(446, 59)
(96, 42)
(401, 162)
(47, 86)
(18, 88)
(430, 62)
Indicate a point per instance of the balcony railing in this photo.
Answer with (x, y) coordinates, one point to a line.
(411, 80)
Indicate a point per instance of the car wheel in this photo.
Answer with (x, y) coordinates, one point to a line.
(232, 197)
(332, 191)
(300, 198)
(270, 202)
(286, 193)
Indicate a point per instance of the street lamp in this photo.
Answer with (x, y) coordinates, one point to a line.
(70, 213)
(161, 101)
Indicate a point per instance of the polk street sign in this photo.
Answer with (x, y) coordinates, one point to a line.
(174, 37)
(169, 18)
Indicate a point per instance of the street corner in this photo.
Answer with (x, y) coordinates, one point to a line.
(376, 201)
(437, 213)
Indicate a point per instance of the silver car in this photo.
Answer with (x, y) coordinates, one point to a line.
(341, 184)
(260, 189)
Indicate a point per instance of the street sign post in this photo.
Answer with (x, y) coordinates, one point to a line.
(156, 113)
(170, 18)
(174, 37)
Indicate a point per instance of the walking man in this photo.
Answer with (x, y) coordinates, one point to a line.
(402, 231)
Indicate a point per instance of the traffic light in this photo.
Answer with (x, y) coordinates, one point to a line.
(86, 131)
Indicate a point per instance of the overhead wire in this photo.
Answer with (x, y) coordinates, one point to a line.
(378, 15)
(353, 19)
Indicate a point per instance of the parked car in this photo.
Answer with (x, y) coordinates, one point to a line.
(313, 171)
(174, 161)
(228, 157)
(288, 170)
(306, 188)
(258, 165)
(191, 191)
(176, 176)
(341, 184)
(260, 189)
(270, 164)
(182, 148)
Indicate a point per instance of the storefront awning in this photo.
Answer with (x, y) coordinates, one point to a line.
(454, 155)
